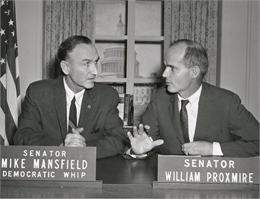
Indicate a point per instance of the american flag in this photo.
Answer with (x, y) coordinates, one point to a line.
(10, 100)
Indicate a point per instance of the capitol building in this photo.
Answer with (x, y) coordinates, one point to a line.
(114, 64)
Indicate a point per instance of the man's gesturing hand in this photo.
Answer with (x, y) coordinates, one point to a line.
(141, 142)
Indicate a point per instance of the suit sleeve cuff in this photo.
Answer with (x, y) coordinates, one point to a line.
(135, 156)
(217, 149)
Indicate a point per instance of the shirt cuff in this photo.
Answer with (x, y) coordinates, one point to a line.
(141, 156)
(217, 149)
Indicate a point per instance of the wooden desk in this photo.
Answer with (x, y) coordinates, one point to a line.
(124, 179)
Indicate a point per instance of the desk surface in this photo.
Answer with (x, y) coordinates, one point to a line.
(124, 179)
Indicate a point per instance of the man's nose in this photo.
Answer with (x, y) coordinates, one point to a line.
(165, 72)
(93, 69)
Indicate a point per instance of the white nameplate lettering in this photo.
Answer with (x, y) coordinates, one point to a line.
(48, 163)
(195, 169)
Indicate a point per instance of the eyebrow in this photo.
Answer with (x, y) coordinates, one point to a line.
(171, 66)
(91, 59)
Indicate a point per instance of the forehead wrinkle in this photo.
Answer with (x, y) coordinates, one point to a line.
(85, 52)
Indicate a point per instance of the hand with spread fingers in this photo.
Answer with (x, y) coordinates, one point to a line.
(198, 148)
(140, 141)
(75, 139)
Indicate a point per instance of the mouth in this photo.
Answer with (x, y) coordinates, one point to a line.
(91, 78)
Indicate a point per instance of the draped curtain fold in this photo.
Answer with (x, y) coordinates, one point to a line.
(196, 20)
(64, 18)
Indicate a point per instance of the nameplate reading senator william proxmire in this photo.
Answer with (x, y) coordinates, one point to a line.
(195, 169)
(48, 163)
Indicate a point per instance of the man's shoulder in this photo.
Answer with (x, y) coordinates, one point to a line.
(44, 82)
(215, 90)
(220, 95)
(44, 85)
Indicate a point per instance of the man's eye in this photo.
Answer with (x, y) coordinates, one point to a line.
(171, 68)
(88, 63)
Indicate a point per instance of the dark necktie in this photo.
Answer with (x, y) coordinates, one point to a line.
(73, 114)
(184, 120)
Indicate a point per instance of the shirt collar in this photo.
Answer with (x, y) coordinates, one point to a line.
(193, 99)
(70, 94)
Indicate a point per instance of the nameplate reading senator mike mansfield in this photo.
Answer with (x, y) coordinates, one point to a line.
(48, 163)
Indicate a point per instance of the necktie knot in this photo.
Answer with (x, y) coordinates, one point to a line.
(73, 100)
(184, 103)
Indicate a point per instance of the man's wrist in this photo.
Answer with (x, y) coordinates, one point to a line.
(131, 153)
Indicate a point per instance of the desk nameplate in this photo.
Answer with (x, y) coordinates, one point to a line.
(195, 171)
(51, 164)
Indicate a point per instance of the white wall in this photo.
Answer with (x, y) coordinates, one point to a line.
(253, 101)
(240, 51)
(239, 47)
(29, 16)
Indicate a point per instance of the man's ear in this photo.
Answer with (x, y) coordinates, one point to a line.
(195, 71)
(64, 67)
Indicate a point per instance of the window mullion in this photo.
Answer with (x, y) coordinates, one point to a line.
(130, 63)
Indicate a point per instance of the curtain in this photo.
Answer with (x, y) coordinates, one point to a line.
(196, 20)
(64, 18)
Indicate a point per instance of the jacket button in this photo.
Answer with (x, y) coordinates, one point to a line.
(89, 106)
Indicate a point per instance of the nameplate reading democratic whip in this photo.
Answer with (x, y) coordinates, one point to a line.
(220, 170)
(48, 163)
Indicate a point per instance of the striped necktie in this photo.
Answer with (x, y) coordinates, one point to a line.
(184, 120)
(73, 114)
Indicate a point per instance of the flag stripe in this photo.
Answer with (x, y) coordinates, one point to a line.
(10, 126)
(3, 96)
(2, 115)
(11, 97)
(17, 85)
(2, 141)
(10, 60)
(9, 74)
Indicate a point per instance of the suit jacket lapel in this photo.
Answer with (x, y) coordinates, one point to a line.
(60, 106)
(205, 111)
(86, 108)
(174, 111)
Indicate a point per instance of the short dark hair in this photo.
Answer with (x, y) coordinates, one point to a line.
(69, 44)
(195, 55)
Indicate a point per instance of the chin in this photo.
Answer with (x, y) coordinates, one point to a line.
(171, 90)
(89, 85)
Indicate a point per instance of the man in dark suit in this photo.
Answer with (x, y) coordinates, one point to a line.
(49, 105)
(212, 122)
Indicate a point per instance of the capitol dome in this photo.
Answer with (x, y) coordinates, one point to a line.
(113, 64)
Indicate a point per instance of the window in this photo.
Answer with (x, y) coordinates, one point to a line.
(129, 38)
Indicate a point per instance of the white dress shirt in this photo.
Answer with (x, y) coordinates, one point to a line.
(192, 109)
(69, 96)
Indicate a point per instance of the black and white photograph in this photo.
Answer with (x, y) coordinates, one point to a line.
(130, 99)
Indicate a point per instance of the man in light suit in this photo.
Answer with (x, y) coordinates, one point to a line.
(218, 124)
(45, 117)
